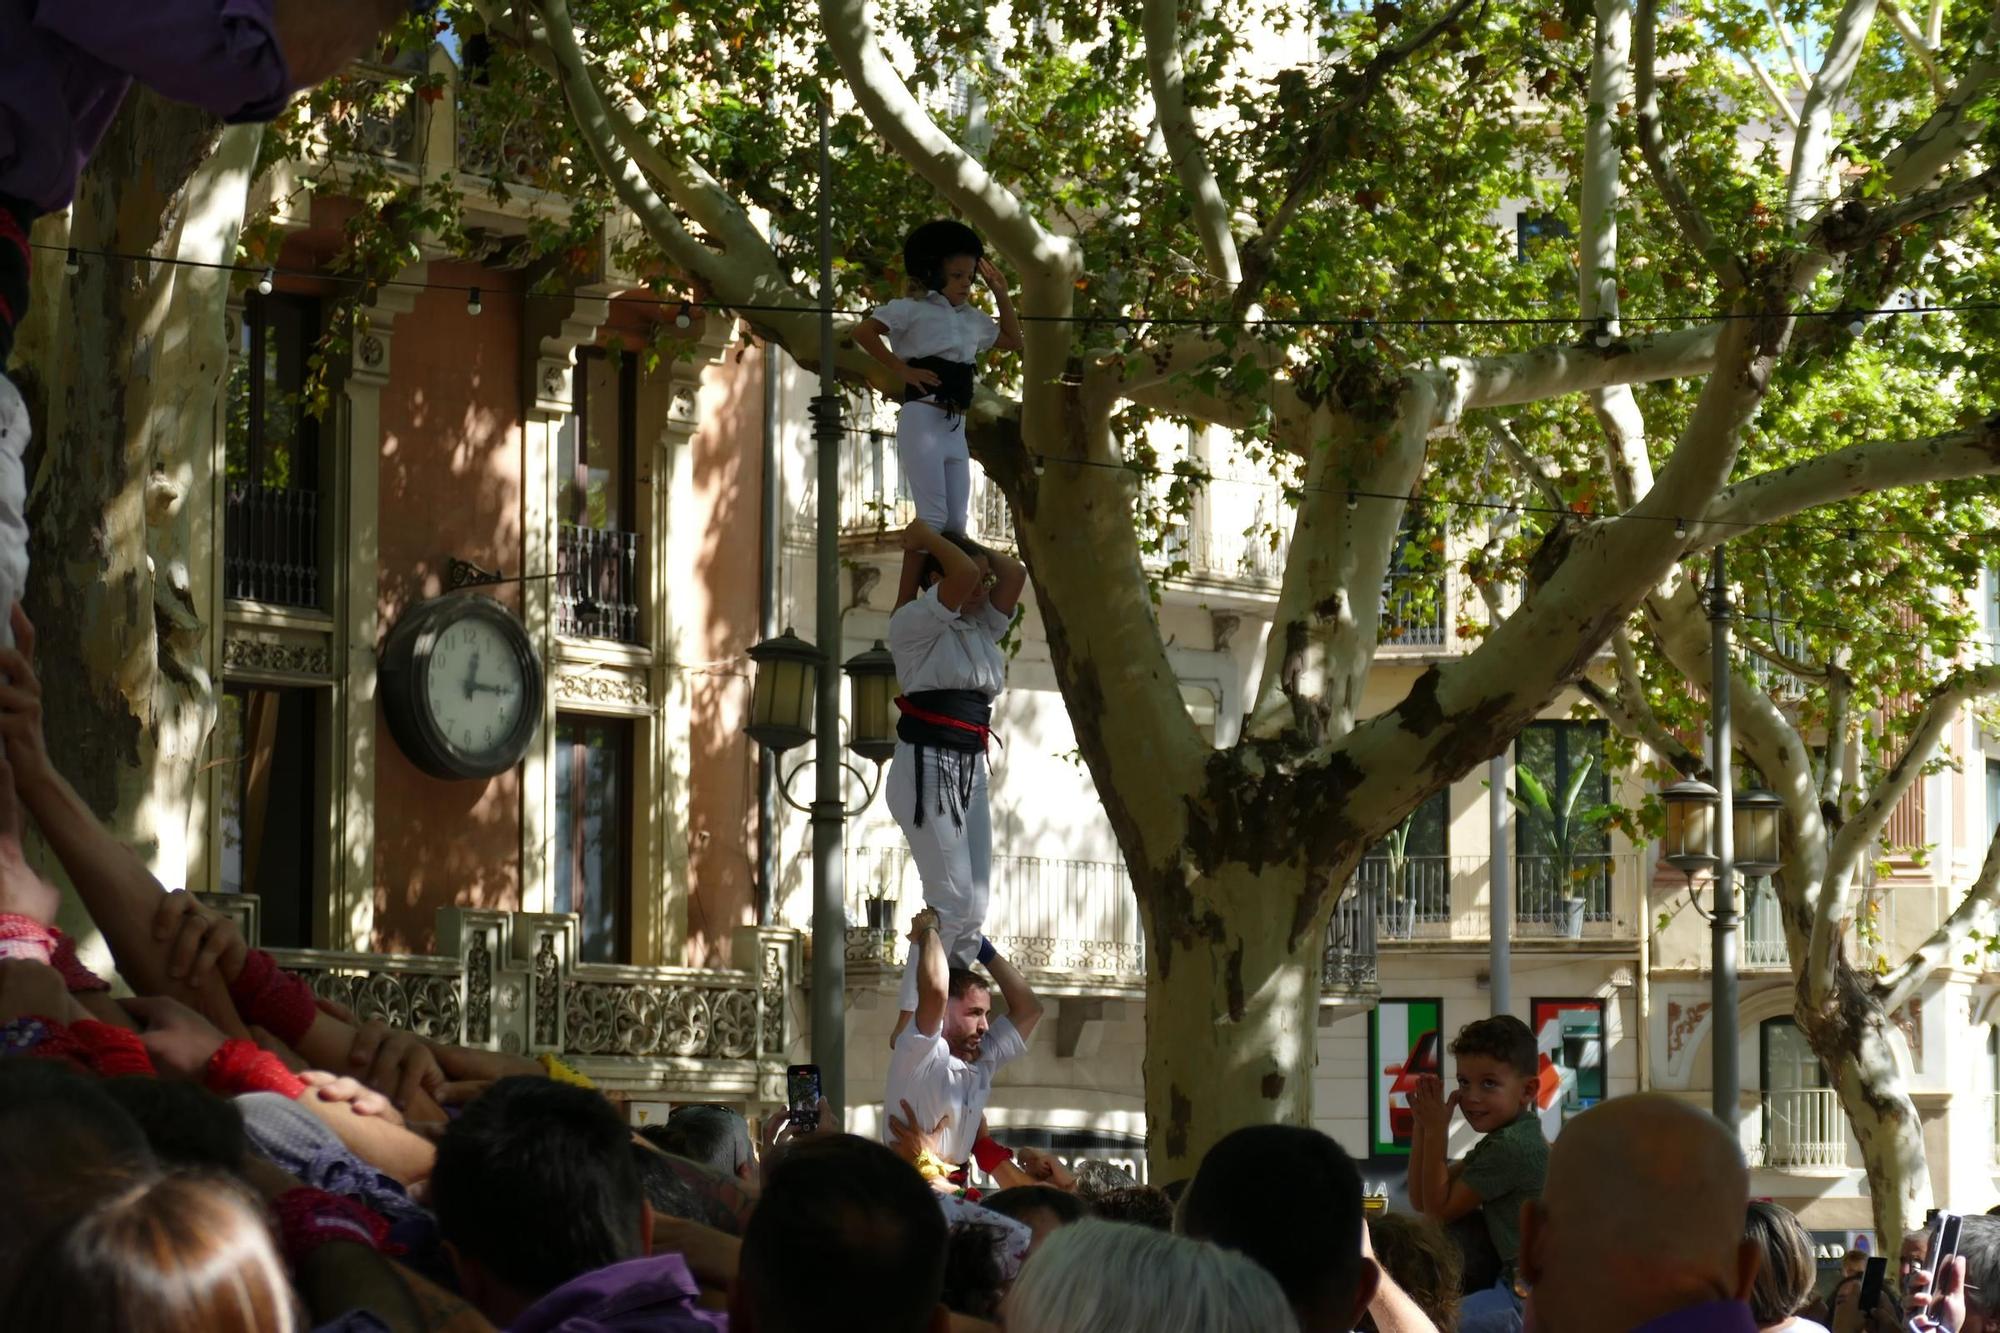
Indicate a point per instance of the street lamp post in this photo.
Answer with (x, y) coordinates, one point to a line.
(829, 918)
(1705, 825)
(1722, 926)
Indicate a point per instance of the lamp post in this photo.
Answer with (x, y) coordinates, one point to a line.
(1704, 825)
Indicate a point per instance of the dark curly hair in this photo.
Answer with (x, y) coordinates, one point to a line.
(1502, 1037)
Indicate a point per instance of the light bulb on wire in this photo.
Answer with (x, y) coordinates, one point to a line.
(267, 281)
(682, 317)
(1857, 323)
(1680, 529)
(1601, 333)
(72, 262)
(472, 302)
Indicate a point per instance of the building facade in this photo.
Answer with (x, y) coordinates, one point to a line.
(633, 892)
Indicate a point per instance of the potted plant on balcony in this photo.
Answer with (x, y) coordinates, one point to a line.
(1561, 827)
(1400, 906)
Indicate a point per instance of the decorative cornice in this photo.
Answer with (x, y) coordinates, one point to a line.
(289, 655)
(602, 685)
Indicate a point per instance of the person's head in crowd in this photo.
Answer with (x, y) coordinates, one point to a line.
(968, 1012)
(535, 1186)
(1289, 1198)
(1497, 1066)
(715, 1136)
(1174, 1189)
(1853, 1263)
(187, 1126)
(669, 1194)
(1112, 1277)
(1423, 1260)
(1096, 1177)
(1979, 1242)
(166, 1255)
(1141, 1205)
(846, 1238)
(974, 1277)
(1786, 1269)
(1040, 1208)
(1912, 1255)
(1641, 1217)
(64, 1143)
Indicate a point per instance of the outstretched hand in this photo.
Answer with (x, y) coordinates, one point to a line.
(179, 1040)
(909, 1139)
(21, 707)
(203, 939)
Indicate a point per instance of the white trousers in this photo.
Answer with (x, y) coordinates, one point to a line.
(954, 857)
(13, 506)
(937, 470)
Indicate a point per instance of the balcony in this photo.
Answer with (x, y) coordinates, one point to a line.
(1447, 899)
(1075, 919)
(597, 584)
(1804, 1129)
(1413, 617)
(270, 545)
(512, 981)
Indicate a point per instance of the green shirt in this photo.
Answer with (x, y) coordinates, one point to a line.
(1506, 1169)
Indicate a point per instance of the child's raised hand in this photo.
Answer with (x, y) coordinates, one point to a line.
(989, 273)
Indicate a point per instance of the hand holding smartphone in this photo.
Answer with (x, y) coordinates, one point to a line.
(802, 1094)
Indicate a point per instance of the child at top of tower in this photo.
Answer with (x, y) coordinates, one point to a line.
(934, 342)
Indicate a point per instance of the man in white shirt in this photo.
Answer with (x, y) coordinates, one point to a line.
(943, 1063)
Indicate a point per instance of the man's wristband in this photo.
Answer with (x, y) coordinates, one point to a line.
(990, 1154)
(987, 953)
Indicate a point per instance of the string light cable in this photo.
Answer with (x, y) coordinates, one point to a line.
(1127, 327)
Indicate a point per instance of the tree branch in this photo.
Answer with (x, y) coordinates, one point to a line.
(1311, 164)
(1858, 469)
(1913, 38)
(992, 209)
(1562, 368)
(1183, 140)
(1539, 473)
(1700, 236)
(1790, 46)
(1940, 710)
(1615, 407)
(1774, 94)
(1628, 711)
(1812, 146)
(1839, 698)
(1975, 912)
(1952, 128)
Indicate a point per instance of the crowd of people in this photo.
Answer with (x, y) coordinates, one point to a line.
(222, 1151)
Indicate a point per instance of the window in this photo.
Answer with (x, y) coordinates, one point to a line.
(1562, 850)
(597, 586)
(1204, 702)
(1412, 608)
(271, 458)
(1992, 797)
(1990, 612)
(1409, 871)
(591, 855)
(1530, 229)
(594, 447)
(273, 824)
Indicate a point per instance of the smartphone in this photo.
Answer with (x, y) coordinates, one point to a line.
(1871, 1282)
(1944, 1242)
(802, 1096)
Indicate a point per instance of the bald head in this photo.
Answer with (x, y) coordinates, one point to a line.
(1642, 1214)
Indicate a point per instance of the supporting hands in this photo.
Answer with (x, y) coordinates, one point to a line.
(204, 940)
(1043, 1166)
(21, 711)
(179, 1040)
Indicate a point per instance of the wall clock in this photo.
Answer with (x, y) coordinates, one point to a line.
(462, 686)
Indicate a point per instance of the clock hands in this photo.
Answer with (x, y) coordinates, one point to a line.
(472, 675)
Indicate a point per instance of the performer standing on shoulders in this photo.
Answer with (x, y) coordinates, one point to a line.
(953, 607)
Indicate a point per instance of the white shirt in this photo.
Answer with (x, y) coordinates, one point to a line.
(937, 1084)
(931, 325)
(937, 648)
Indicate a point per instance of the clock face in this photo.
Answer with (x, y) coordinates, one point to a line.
(475, 686)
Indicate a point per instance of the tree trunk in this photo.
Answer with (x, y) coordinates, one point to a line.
(1856, 1044)
(1232, 1001)
(124, 363)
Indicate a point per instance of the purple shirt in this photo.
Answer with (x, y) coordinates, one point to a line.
(65, 66)
(652, 1295)
(1714, 1317)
